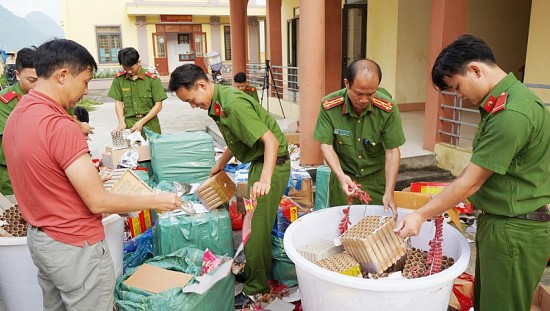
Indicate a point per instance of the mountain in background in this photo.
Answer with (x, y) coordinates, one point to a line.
(34, 29)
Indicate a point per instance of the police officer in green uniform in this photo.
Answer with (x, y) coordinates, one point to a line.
(9, 97)
(252, 135)
(138, 94)
(507, 179)
(360, 132)
(242, 84)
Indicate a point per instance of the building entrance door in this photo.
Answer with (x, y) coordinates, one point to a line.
(354, 34)
(159, 49)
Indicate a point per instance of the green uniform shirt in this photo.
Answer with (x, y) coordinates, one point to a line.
(139, 96)
(5, 111)
(242, 122)
(251, 91)
(359, 141)
(514, 143)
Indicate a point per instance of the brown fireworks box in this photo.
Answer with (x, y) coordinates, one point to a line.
(216, 190)
(373, 243)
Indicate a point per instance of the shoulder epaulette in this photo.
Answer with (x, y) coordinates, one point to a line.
(8, 97)
(382, 104)
(251, 88)
(500, 104)
(332, 102)
(151, 75)
(120, 73)
(494, 105)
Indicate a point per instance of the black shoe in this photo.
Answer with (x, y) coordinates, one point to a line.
(242, 301)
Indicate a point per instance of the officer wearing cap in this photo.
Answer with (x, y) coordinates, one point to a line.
(242, 84)
(360, 132)
(9, 97)
(138, 94)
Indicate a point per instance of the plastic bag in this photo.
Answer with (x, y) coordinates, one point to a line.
(236, 216)
(138, 249)
(462, 296)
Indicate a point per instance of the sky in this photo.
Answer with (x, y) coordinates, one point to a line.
(21, 8)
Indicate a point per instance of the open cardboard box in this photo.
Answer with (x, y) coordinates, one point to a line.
(541, 298)
(156, 280)
(415, 200)
(111, 157)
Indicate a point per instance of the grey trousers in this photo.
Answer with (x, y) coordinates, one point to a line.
(72, 277)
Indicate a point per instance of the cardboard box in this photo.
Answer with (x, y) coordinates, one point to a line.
(242, 192)
(293, 138)
(541, 298)
(157, 280)
(129, 183)
(415, 200)
(111, 157)
(302, 193)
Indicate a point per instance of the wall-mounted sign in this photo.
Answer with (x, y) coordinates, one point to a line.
(176, 18)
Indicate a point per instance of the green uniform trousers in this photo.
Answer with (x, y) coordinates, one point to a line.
(5, 182)
(153, 124)
(258, 247)
(511, 256)
(374, 185)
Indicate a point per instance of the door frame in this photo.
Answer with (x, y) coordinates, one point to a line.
(161, 63)
(345, 15)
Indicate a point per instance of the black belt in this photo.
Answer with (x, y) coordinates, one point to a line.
(139, 115)
(280, 159)
(541, 214)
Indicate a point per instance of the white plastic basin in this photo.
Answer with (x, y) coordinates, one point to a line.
(19, 287)
(322, 289)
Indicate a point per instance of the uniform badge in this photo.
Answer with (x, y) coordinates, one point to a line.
(341, 132)
(218, 111)
(494, 105)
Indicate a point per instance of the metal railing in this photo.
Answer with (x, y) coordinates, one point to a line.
(461, 123)
(285, 78)
(456, 133)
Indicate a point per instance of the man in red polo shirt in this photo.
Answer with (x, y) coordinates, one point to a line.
(59, 191)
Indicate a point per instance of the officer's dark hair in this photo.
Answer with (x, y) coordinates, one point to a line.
(81, 114)
(240, 77)
(186, 76)
(455, 58)
(358, 65)
(24, 58)
(128, 57)
(62, 53)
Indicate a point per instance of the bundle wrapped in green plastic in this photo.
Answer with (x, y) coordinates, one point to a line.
(321, 187)
(282, 268)
(185, 156)
(210, 230)
(187, 260)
